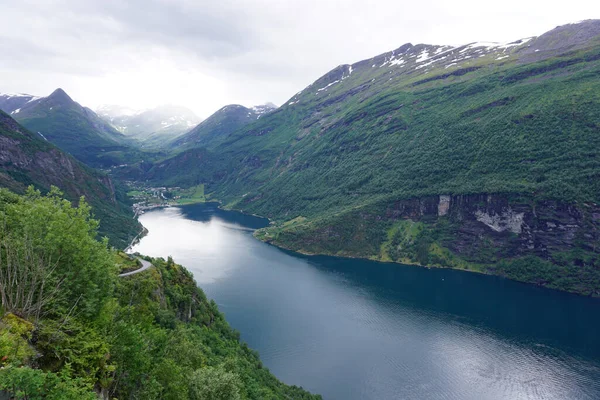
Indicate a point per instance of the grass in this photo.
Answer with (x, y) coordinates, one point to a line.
(191, 195)
(136, 193)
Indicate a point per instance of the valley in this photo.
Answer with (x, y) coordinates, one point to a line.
(481, 157)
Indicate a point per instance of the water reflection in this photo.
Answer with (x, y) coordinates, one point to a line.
(354, 329)
(194, 242)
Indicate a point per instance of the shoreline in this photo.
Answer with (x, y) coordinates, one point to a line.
(407, 263)
(414, 264)
(306, 253)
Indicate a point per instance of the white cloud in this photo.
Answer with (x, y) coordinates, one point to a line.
(205, 54)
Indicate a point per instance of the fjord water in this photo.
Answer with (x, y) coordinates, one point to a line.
(356, 329)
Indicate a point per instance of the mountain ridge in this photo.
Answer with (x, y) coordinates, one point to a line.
(72, 127)
(481, 119)
(225, 120)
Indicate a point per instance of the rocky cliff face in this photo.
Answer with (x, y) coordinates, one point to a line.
(515, 226)
(550, 243)
(45, 165)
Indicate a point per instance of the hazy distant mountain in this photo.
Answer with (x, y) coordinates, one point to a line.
(72, 127)
(263, 109)
(221, 123)
(150, 127)
(113, 111)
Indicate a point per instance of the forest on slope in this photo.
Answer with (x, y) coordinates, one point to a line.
(71, 328)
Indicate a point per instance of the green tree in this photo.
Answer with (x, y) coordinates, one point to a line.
(49, 258)
(33, 384)
(214, 384)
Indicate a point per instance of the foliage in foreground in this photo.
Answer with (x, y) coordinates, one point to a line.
(152, 335)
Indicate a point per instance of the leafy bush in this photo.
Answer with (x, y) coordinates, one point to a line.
(25, 383)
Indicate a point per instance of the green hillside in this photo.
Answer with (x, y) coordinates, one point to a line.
(27, 159)
(76, 130)
(497, 127)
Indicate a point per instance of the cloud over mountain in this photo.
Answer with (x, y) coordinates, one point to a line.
(207, 54)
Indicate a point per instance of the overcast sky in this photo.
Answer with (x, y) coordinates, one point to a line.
(206, 54)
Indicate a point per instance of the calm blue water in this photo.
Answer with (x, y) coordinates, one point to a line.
(355, 329)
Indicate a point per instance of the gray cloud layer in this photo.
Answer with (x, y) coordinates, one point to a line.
(205, 54)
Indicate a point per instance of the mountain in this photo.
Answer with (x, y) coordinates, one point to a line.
(151, 127)
(27, 158)
(263, 109)
(12, 103)
(72, 127)
(484, 157)
(221, 123)
(111, 112)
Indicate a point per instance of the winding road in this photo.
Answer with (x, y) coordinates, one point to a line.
(145, 266)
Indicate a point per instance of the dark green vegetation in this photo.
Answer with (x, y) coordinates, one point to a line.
(492, 128)
(27, 159)
(70, 328)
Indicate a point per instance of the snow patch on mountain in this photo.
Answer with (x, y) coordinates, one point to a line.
(11, 102)
(263, 109)
(328, 86)
(496, 45)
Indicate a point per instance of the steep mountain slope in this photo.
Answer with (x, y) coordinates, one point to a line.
(73, 128)
(223, 122)
(449, 156)
(28, 159)
(151, 127)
